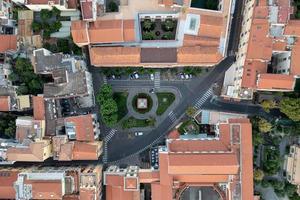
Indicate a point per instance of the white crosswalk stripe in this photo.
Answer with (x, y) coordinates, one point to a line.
(157, 79)
(104, 79)
(110, 135)
(105, 152)
(203, 98)
(172, 116)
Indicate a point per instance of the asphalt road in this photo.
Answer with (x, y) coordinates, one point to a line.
(191, 92)
(196, 89)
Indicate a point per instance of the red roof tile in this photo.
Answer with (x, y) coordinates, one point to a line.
(4, 103)
(38, 107)
(275, 82)
(8, 42)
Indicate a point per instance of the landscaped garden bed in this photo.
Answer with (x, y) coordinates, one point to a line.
(189, 126)
(132, 122)
(165, 99)
(158, 29)
(142, 96)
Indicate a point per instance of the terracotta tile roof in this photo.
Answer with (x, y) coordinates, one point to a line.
(40, 189)
(174, 134)
(211, 26)
(79, 32)
(292, 28)
(246, 151)
(72, 4)
(279, 45)
(33, 153)
(8, 42)
(22, 132)
(7, 179)
(66, 151)
(4, 103)
(129, 30)
(38, 107)
(87, 194)
(295, 60)
(86, 151)
(86, 9)
(198, 55)
(203, 178)
(191, 40)
(275, 82)
(198, 145)
(131, 183)
(167, 2)
(107, 56)
(114, 180)
(251, 71)
(106, 31)
(117, 193)
(260, 45)
(148, 176)
(223, 163)
(84, 127)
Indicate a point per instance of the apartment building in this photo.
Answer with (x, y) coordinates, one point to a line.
(267, 58)
(292, 166)
(208, 168)
(38, 5)
(199, 36)
(80, 182)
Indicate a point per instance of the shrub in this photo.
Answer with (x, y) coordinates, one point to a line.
(149, 35)
(113, 6)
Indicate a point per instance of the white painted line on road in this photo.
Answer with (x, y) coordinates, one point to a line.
(172, 116)
(203, 99)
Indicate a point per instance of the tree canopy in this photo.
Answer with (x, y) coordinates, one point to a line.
(291, 107)
(24, 76)
(264, 126)
(108, 106)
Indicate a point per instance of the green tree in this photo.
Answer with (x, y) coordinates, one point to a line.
(258, 175)
(104, 93)
(55, 11)
(265, 183)
(149, 35)
(268, 105)
(168, 25)
(22, 89)
(36, 26)
(257, 138)
(56, 26)
(168, 36)
(113, 6)
(290, 189)
(148, 25)
(264, 126)
(291, 107)
(7, 126)
(45, 14)
(109, 107)
(190, 111)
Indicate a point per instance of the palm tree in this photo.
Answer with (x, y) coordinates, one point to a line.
(148, 25)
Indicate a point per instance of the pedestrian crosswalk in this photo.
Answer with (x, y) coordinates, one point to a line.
(110, 135)
(201, 100)
(105, 152)
(172, 116)
(157, 79)
(104, 79)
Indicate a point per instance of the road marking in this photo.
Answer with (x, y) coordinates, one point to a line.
(172, 116)
(203, 98)
(110, 135)
(104, 79)
(157, 79)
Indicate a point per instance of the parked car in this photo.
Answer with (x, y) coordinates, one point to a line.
(152, 91)
(138, 133)
(135, 75)
(182, 76)
(152, 77)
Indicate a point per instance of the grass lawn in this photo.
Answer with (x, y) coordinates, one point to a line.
(121, 99)
(165, 99)
(132, 122)
(190, 126)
